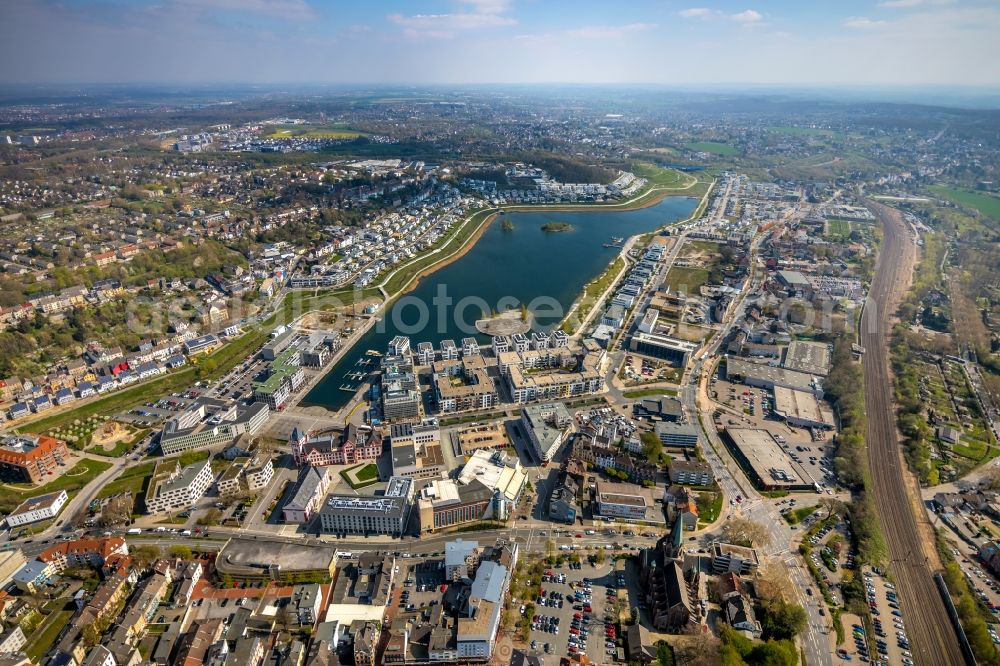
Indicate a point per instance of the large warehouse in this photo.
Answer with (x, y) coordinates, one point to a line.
(801, 410)
(767, 464)
(767, 377)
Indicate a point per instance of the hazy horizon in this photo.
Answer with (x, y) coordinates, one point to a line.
(899, 43)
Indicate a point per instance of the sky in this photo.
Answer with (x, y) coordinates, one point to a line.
(674, 42)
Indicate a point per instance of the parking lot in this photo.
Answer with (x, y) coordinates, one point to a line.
(571, 616)
(890, 643)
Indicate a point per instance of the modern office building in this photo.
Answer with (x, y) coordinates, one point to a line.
(387, 514)
(677, 435)
(209, 422)
(174, 488)
(655, 345)
(546, 427)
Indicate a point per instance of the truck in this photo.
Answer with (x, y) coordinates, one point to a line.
(134, 530)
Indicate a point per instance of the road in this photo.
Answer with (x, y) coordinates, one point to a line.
(893, 486)
(816, 639)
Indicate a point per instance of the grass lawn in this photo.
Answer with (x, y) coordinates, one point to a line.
(662, 177)
(591, 292)
(986, 204)
(796, 516)
(711, 511)
(71, 481)
(711, 147)
(645, 393)
(331, 131)
(41, 641)
(838, 228)
(367, 473)
(688, 279)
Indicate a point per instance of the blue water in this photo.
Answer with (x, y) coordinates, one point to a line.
(544, 270)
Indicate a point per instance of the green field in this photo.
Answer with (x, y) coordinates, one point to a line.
(986, 204)
(12, 494)
(687, 279)
(662, 177)
(311, 132)
(838, 228)
(711, 147)
(45, 636)
(645, 393)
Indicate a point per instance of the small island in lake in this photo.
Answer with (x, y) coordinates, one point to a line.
(555, 227)
(507, 225)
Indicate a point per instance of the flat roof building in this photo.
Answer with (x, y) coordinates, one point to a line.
(209, 422)
(672, 350)
(174, 488)
(546, 427)
(386, 515)
(801, 409)
(626, 501)
(768, 376)
(812, 358)
(769, 466)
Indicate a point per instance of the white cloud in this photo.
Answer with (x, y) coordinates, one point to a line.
(907, 4)
(695, 12)
(746, 17)
(863, 23)
(484, 14)
(609, 31)
(586, 32)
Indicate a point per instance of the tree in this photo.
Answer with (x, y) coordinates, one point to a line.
(781, 620)
(991, 478)
(745, 532)
(180, 551)
(145, 555)
(652, 447)
(698, 650)
(832, 506)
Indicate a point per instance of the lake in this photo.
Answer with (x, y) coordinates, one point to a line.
(545, 270)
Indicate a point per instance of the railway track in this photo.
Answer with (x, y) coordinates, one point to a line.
(904, 523)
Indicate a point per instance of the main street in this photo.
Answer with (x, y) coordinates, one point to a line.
(694, 396)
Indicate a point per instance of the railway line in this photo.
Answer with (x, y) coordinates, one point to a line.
(904, 523)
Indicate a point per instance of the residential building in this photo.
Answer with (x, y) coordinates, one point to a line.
(691, 472)
(174, 488)
(625, 501)
(30, 458)
(34, 509)
(246, 475)
(546, 427)
(727, 557)
(90, 553)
